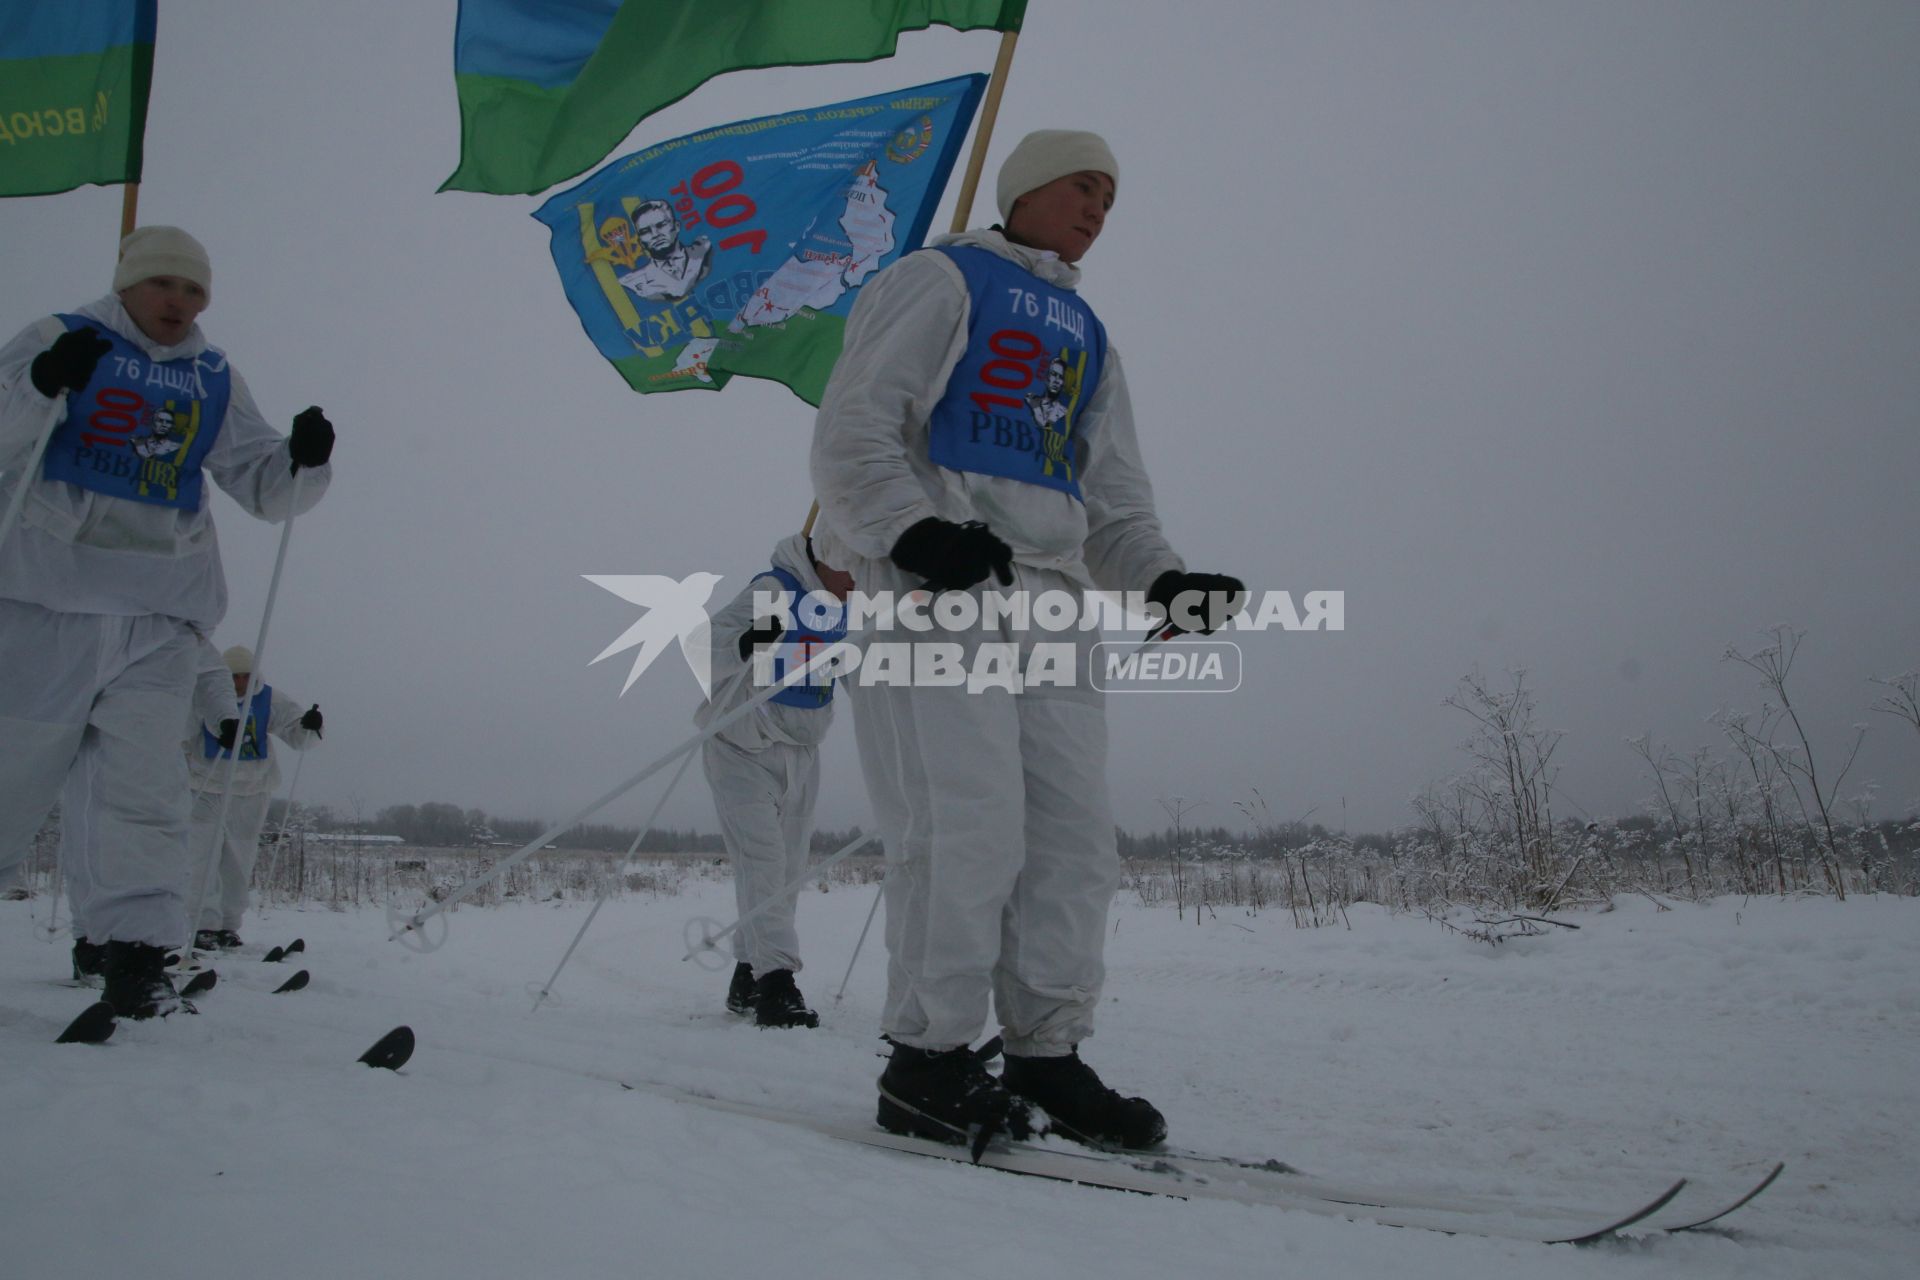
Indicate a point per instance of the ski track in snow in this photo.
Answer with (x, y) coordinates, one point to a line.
(1580, 1068)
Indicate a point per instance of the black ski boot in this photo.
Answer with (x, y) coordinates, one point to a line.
(740, 990)
(1080, 1106)
(206, 940)
(137, 982)
(229, 940)
(949, 1096)
(778, 1003)
(89, 962)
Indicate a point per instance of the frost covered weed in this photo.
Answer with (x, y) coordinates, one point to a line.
(343, 873)
(1491, 847)
(1315, 875)
(353, 875)
(1466, 877)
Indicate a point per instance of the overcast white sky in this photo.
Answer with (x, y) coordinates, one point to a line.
(1584, 336)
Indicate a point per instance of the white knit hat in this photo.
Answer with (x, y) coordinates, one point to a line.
(162, 251)
(1046, 154)
(239, 660)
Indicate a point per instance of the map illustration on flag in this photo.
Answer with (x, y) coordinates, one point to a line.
(740, 249)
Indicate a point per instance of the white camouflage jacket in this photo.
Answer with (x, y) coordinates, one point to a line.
(771, 721)
(77, 551)
(870, 468)
(214, 701)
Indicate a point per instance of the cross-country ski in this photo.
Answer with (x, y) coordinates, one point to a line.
(95, 1025)
(391, 1051)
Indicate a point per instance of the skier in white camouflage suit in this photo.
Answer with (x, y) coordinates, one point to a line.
(931, 471)
(104, 582)
(219, 685)
(764, 769)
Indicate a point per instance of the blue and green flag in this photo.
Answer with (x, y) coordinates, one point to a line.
(74, 76)
(739, 249)
(548, 87)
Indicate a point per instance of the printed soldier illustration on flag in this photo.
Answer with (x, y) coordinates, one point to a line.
(665, 270)
(739, 249)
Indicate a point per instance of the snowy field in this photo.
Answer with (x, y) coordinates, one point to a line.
(1590, 1065)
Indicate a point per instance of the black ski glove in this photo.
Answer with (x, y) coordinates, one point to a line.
(953, 556)
(312, 442)
(229, 730)
(766, 633)
(1208, 599)
(312, 721)
(68, 364)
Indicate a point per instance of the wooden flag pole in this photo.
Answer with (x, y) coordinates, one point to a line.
(977, 161)
(129, 208)
(989, 111)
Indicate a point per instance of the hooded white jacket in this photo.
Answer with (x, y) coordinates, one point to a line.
(77, 551)
(870, 468)
(771, 721)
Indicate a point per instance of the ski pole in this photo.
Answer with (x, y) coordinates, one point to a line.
(29, 468)
(411, 924)
(286, 821)
(607, 890)
(1167, 630)
(881, 890)
(713, 940)
(208, 873)
(632, 849)
(53, 912)
(1159, 636)
(26, 873)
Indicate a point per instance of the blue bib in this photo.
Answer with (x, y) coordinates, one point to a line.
(1033, 359)
(813, 624)
(253, 743)
(140, 428)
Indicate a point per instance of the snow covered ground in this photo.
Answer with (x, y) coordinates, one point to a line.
(1588, 1065)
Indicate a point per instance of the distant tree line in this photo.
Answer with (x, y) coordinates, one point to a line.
(438, 825)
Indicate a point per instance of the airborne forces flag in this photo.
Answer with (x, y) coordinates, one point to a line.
(739, 249)
(547, 89)
(74, 77)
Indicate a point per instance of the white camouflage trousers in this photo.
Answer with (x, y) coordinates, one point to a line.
(765, 803)
(1000, 844)
(224, 907)
(91, 712)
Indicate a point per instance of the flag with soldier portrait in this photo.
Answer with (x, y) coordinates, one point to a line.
(739, 249)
